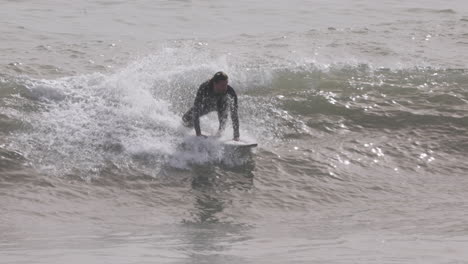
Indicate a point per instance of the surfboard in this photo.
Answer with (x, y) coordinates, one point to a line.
(239, 144)
(212, 150)
(227, 143)
(230, 143)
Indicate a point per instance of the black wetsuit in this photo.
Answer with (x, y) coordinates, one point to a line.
(208, 101)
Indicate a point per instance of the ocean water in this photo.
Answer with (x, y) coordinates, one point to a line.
(360, 110)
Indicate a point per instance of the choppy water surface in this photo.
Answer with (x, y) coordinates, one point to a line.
(360, 110)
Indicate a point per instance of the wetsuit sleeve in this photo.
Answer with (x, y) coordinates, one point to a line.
(197, 109)
(234, 116)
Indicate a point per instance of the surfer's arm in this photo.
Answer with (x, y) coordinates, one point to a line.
(234, 115)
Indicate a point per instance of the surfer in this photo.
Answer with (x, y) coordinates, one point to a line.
(214, 95)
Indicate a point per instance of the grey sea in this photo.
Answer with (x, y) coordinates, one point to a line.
(359, 108)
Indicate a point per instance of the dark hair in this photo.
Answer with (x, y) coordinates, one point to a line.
(219, 76)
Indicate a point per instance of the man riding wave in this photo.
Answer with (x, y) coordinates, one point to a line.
(214, 95)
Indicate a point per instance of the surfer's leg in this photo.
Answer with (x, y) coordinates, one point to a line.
(222, 116)
(187, 118)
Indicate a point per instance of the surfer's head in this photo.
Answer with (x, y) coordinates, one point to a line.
(220, 82)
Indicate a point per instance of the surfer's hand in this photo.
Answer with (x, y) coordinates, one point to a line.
(236, 139)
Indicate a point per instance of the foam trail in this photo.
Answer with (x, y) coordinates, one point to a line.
(84, 122)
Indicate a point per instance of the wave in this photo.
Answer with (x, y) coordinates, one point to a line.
(429, 10)
(84, 125)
